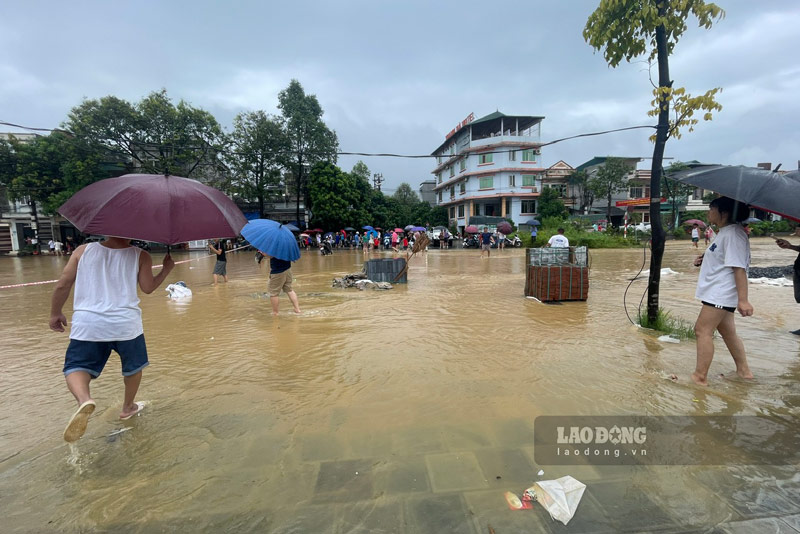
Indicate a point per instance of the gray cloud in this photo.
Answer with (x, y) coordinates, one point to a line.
(395, 77)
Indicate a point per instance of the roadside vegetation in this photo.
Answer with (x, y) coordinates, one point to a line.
(668, 324)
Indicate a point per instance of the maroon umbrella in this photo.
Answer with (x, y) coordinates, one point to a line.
(471, 229)
(151, 207)
(504, 228)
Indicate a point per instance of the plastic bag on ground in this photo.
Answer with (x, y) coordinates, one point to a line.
(559, 497)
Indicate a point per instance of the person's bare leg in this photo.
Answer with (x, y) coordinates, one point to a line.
(216, 279)
(131, 388)
(78, 385)
(707, 322)
(225, 278)
(275, 301)
(293, 298)
(727, 329)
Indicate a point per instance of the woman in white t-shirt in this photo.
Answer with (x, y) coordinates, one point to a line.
(722, 287)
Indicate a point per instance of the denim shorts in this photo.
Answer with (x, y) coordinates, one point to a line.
(91, 356)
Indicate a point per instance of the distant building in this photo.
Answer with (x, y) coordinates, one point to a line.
(426, 192)
(490, 168)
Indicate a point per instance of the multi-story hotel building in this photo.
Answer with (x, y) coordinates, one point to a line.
(490, 168)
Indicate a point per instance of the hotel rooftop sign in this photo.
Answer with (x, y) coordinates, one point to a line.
(469, 119)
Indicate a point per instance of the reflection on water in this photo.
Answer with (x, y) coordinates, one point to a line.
(408, 410)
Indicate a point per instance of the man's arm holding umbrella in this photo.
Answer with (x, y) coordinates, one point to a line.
(214, 250)
(147, 281)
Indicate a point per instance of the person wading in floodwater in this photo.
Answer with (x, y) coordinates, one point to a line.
(722, 288)
(106, 316)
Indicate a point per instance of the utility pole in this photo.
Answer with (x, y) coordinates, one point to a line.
(377, 180)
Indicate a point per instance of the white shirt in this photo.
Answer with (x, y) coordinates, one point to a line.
(695, 233)
(716, 284)
(559, 241)
(106, 301)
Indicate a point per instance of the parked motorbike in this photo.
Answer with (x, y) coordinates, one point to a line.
(470, 242)
(507, 243)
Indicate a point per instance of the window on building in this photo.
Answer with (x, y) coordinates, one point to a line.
(485, 158)
(636, 192)
(512, 156)
(561, 188)
(462, 165)
(452, 171)
(528, 180)
(452, 212)
(461, 210)
(440, 196)
(512, 181)
(462, 188)
(452, 191)
(438, 177)
(477, 209)
(508, 207)
(529, 155)
(487, 182)
(528, 206)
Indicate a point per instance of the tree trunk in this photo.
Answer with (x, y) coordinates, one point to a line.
(608, 211)
(662, 133)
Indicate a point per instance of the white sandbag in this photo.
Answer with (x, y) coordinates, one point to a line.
(178, 290)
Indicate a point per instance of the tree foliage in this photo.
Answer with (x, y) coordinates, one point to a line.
(611, 177)
(550, 204)
(259, 149)
(158, 136)
(310, 140)
(674, 190)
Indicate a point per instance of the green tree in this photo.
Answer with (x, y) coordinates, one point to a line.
(327, 188)
(361, 170)
(438, 217)
(310, 140)
(550, 204)
(580, 180)
(627, 29)
(611, 178)
(158, 136)
(259, 148)
(406, 205)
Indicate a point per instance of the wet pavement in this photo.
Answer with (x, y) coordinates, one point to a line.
(409, 410)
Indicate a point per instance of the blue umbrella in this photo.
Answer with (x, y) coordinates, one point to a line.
(291, 227)
(368, 227)
(532, 222)
(272, 238)
(418, 229)
(410, 228)
(751, 220)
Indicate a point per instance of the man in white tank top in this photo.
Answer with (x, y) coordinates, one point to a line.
(106, 317)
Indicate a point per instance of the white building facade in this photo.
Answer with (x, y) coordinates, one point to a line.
(490, 168)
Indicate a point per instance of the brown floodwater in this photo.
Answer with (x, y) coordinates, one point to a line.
(409, 410)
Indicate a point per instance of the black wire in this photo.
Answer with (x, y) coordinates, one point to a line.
(365, 154)
(625, 294)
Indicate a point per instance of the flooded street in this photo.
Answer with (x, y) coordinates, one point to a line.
(408, 410)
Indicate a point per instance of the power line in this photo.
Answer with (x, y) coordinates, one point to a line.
(219, 150)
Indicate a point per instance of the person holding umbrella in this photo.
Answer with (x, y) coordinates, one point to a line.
(722, 288)
(786, 245)
(276, 242)
(106, 316)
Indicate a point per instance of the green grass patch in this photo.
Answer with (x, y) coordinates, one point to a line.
(667, 324)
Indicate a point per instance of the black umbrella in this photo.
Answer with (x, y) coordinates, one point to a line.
(349, 229)
(762, 189)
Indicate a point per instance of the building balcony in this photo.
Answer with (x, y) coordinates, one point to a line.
(510, 139)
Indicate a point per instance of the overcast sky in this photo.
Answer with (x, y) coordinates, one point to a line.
(397, 76)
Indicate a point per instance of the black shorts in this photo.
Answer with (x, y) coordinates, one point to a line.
(726, 308)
